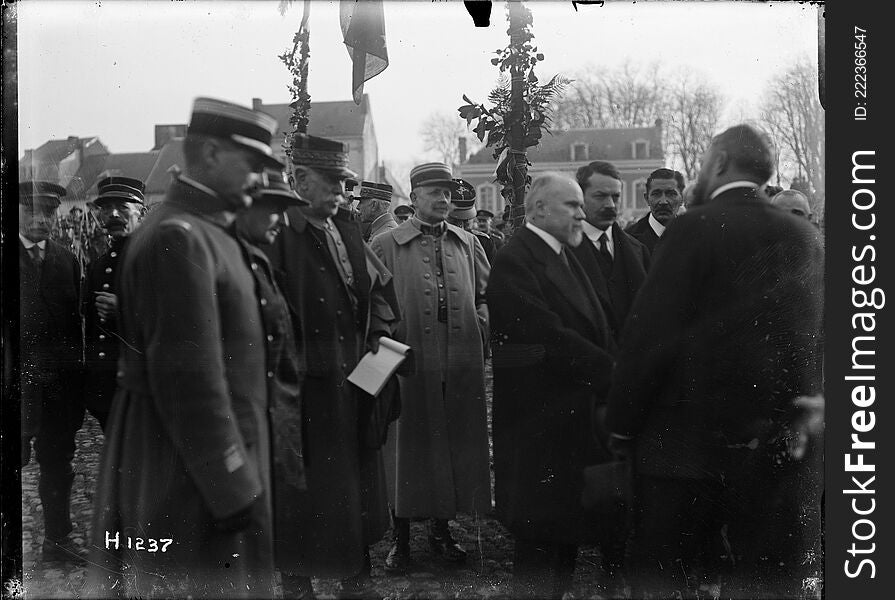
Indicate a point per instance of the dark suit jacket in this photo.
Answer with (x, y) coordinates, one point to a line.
(629, 269)
(643, 233)
(51, 343)
(551, 364)
(721, 338)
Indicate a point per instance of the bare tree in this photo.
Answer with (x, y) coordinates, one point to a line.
(692, 111)
(792, 113)
(441, 133)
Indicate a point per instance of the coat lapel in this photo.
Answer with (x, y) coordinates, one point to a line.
(633, 265)
(578, 292)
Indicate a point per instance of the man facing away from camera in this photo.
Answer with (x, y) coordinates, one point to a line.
(721, 342)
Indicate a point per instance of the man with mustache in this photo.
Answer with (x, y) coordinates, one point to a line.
(615, 262)
(340, 296)
(437, 457)
(664, 195)
(120, 205)
(373, 208)
(51, 369)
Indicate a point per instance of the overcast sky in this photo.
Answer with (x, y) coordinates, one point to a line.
(116, 68)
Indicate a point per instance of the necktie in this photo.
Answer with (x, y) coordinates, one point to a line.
(564, 258)
(34, 253)
(605, 257)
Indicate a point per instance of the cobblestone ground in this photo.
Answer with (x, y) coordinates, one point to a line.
(485, 575)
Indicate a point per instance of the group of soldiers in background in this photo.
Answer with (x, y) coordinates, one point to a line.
(219, 334)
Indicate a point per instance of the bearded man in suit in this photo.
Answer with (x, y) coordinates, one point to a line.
(721, 343)
(552, 364)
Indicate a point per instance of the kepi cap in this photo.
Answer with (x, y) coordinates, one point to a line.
(377, 191)
(250, 129)
(433, 173)
(321, 154)
(51, 192)
(127, 189)
(404, 209)
(463, 192)
(484, 212)
(277, 190)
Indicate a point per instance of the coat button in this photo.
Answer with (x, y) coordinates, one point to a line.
(102, 354)
(341, 338)
(344, 366)
(322, 300)
(102, 337)
(270, 374)
(425, 259)
(269, 337)
(105, 286)
(339, 313)
(113, 254)
(428, 330)
(322, 269)
(316, 331)
(427, 276)
(428, 311)
(427, 292)
(263, 301)
(254, 266)
(108, 269)
(424, 243)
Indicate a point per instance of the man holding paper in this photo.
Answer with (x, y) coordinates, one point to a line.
(437, 457)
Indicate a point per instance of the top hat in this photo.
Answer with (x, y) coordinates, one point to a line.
(278, 191)
(126, 189)
(377, 191)
(321, 154)
(433, 173)
(404, 209)
(249, 129)
(29, 190)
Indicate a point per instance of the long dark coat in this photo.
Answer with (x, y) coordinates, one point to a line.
(629, 267)
(189, 440)
(437, 451)
(324, 530)
(721, 339)
(101, 337)
(550, 343)
(51, 343)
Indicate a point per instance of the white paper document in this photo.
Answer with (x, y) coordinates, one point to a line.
(374, 370)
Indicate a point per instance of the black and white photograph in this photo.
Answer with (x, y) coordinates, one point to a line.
(406, 300)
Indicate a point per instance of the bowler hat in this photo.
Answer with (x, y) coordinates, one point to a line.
(249, 129)
(433, 173)
(321, 154)
(378, 191)
(127, 189)
(278, 191)
(28, 190)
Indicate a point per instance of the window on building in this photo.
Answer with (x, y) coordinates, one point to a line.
(641, 149)
(639, 190)
(486, 198)
(579, 152)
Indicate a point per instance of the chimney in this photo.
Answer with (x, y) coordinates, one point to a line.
(256, 103)
(659, 136)
(165, 133)
(461, 149)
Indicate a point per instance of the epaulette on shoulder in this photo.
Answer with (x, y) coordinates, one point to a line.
(186, 226)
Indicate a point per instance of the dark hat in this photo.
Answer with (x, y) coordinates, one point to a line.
(351, 183)
(29, 190)
(404, 209)
(250, 129)
(377, 191)
(483, 212)
(321, 154)
(433, 173)
(119, 188)
(463, 192)
(460, 210)
(278, 190)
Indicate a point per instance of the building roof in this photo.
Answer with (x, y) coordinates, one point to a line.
(602, 144)
(131, 164)
(169, 155)
(327, 119)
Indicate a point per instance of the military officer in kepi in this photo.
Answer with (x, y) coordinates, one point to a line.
(187, 460)
(120, 206)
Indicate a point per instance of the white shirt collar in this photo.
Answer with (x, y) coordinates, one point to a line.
(658, 228)
(594, 233)
(197, 185)
(551, 241)
(28, 243)
(732, 185)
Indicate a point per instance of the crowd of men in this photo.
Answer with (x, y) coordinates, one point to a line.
(680, 357)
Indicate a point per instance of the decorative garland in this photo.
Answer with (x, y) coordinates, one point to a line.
(298, 68)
